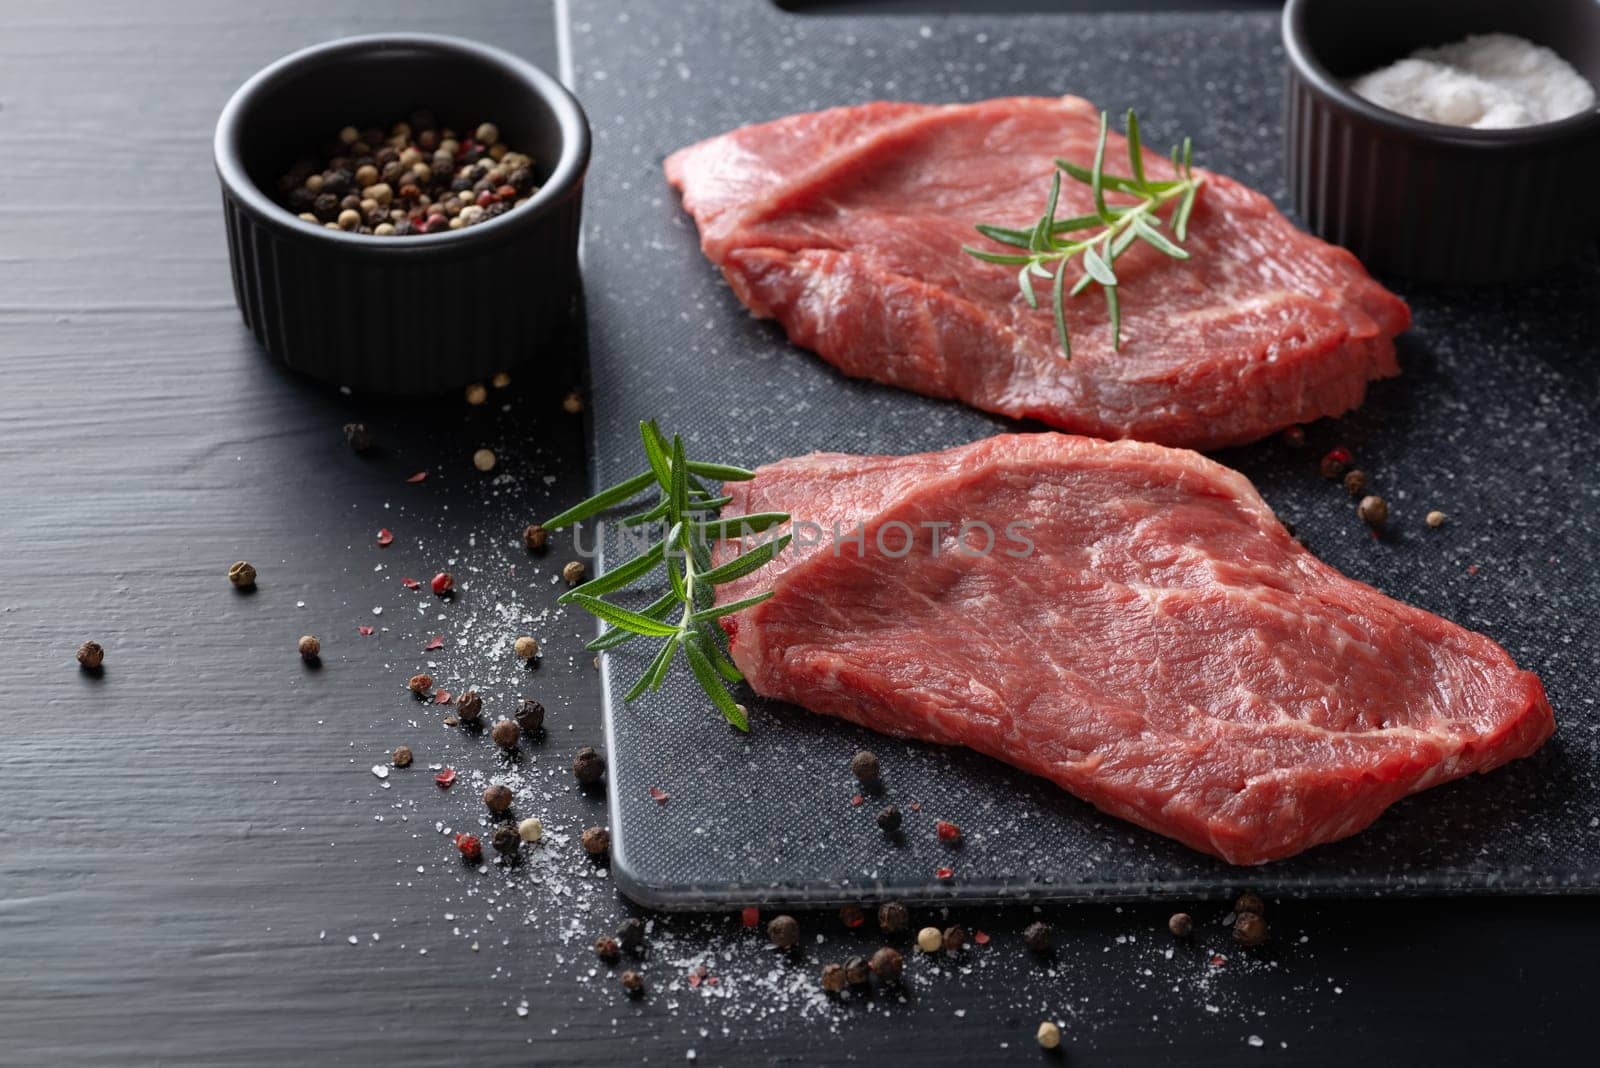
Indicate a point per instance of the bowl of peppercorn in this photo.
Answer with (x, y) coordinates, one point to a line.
(402, 210)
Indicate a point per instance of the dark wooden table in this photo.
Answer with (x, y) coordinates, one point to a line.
(189, 843)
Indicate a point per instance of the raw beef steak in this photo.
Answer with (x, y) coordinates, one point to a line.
(1162, 649)
(847, 225)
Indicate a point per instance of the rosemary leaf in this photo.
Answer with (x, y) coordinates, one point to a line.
(740, 526)
(625, 618)
(607, 498)
(721, 472)
(1135, 151)
(1156, 238)
(1180, 223)
(718, 611)
(1097, 267)
(711, 682)
(1097, 174)
(1058, 307)
(1025, 284)
(745, 563)
(617, 636)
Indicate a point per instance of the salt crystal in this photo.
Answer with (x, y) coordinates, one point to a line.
(380, 770)
(1255, 1040)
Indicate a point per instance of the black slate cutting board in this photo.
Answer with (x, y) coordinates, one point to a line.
(1494, 421)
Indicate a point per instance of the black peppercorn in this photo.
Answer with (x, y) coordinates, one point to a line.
(520, 179)
(420, 684)
(630, 933)
(497, 798)
(530, 715)
(326, 206)
(242, 575)
(857, 971)
(606, 948)
(338, 183)
(1250, 902)
(402, 756)
(632, 981)
(833, 978)
(1249, 929)
(505, 734)
(469, 707)
(1037, 937)
(784, 932)
(90, 656)
(955, 936)
(893, 917)
(888, 964)
(1181, 925)
(595, 840)
(588, 766)
(1294, 437)
(535, 538)
(864, 765)
(506, 839)
(852, 916)
(1355, 482)
(889, 818)
(357, 436)
(310, 649)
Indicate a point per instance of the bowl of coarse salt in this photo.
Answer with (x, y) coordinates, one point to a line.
(1452, 141)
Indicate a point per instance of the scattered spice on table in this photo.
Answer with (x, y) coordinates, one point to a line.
(1335, 462)
(573, 571)
(947, 831)
(1435, 519)
(436, 642)
(889, 818)
(980, 938)
(420, 476)
(441, 697)
(357, 436)
(497, 797)
(857, 970)
(946, 872)
(530, 715)
(607, 949)
(572, 403)
(243, 575)
(309, 647)
(418, 178)
(893, 917)
(420, 684)
(1373, 511)
(588, 766)
(530, 829)
(595, 841)
(929, 940)
(1037, 937)
(469, 707)
(852, 916)
(888, 964)
(443, 583)
(401, 758)
(470, 846)
(385, 536)
(659, 796)
(525, 648)
(476, 394)
(91, 655)
(865, 767)
(535, 538)
(1181, 924)
(833, 978)
(364, 630)
(783, 932)
(505, 733)
(632, 981)
(483, 459)
(1048, 1035)
(750, 916)
(1294, 437)
(410, 583)
(445, 778)
(1250, 901)
(500, 380)
(1355, 482)
(506, 840)
(955, 937)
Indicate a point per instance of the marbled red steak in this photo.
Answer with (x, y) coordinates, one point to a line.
(847, 225)
(1166, 651)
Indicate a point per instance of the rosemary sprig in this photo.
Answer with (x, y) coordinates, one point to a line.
(686, 509)
(1115, 227)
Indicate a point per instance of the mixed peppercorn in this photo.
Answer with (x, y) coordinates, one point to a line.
(420, 177)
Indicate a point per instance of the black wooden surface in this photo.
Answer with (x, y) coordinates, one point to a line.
(188, 842)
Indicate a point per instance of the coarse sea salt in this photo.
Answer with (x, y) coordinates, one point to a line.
(1486, 82)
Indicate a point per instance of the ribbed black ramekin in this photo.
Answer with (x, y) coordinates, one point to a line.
(1424, 200)
(411, 314)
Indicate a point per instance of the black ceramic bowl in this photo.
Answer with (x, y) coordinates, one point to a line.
(1420, 199)
(407, 314)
